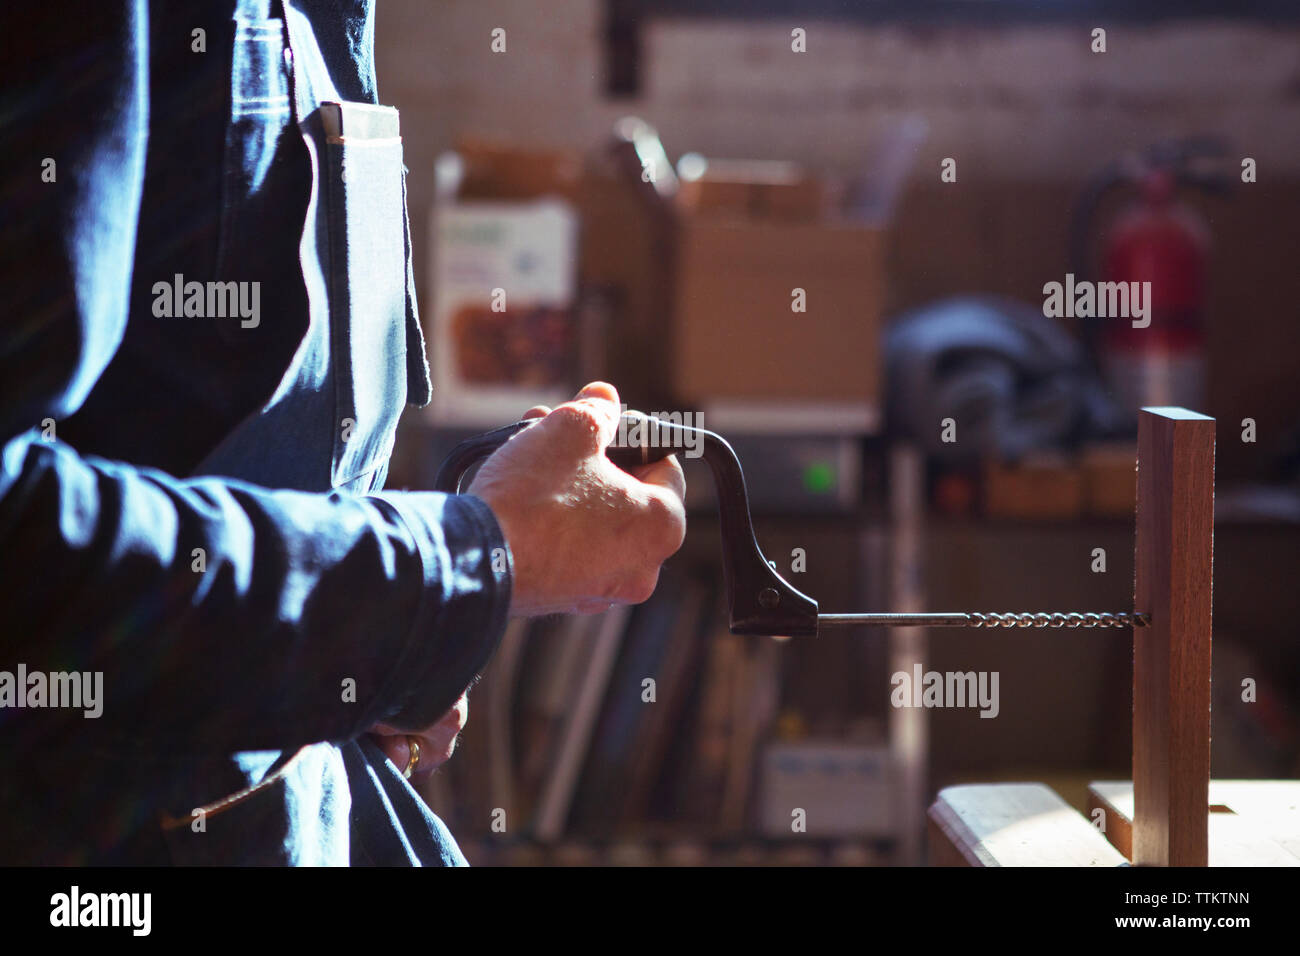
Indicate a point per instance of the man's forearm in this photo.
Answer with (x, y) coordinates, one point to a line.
(226, 616)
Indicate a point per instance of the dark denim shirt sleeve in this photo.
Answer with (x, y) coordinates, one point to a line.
(403, 594)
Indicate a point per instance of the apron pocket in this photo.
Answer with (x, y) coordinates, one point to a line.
(368, 300)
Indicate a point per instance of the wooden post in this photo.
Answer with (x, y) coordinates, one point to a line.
(1171, 657)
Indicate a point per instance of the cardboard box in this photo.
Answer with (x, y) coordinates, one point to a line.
(623, 269)
(737, 340)
(494, 170)
(752, 189)
(1040, 486)
(845, 790)
(1110, 479)
(505, 323)
(626, 256)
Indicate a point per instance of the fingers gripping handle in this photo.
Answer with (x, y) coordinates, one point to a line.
(760, 601)
(473, 450)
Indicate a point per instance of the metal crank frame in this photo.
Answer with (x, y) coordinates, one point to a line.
(760, 602)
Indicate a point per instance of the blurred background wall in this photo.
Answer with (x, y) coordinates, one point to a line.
(1027, 110)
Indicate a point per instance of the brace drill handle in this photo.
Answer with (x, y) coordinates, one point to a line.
(759, 601)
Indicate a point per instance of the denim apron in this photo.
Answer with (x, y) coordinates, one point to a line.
(328, 427)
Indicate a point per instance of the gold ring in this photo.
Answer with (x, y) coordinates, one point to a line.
(414, 760)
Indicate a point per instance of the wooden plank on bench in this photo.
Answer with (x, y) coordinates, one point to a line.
(1251, 822)
(1013, 824)
(1271, 804)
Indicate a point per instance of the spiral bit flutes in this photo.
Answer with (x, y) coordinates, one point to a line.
(1069, 619)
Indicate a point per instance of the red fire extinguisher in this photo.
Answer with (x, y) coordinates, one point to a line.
(1158, 247)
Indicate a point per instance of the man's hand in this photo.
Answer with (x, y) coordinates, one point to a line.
(436, 743)
(584, 534)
